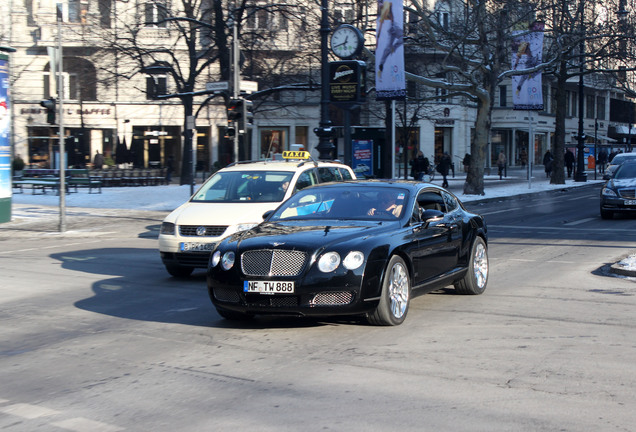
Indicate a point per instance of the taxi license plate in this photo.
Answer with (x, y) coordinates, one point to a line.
(268, 287)
(630, 202)
(196, 247)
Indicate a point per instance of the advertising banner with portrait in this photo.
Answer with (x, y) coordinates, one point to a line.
(527, 53)
(389, 51)
(5, 143)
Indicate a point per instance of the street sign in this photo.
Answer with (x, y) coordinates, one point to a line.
(217, 86)
(249, 86)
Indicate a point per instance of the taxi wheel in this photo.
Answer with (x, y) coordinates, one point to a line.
(179, 271)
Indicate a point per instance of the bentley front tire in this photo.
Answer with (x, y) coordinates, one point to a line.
(395, 297)
(476, 278)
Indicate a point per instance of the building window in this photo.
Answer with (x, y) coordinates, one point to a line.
(155, 13)
(589, 106)
(79, 80)
(156, 85)
(343, 15)
(257, 18)
(443, 15)
(105, 9)
(503, 96)
(77, 11)
(600, 108)
(411, 89)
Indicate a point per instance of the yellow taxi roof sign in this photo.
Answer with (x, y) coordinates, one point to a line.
(296, 154)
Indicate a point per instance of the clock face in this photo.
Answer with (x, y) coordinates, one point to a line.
(346, 41)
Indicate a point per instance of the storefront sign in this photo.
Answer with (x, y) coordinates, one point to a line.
(346, 82)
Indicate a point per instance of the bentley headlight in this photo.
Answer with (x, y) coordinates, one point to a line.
(228, 260)
(214, 260)
(608, 192)
(167, 228)
(329, 262)
(353, 260)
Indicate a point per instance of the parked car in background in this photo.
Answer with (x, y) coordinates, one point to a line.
(616, 162)
(361, 248)
(618, 195)
(234, 199)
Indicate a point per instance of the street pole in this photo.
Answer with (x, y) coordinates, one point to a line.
(581, 175)
(60, 119)
(236, 81)
(324, 131)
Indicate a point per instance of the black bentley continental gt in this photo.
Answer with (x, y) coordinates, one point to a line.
(362, 248)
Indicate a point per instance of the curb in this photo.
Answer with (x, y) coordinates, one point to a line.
(618, 269)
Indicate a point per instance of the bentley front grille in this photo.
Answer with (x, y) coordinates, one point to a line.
(207, 230)
(335, 298)
(273, 262)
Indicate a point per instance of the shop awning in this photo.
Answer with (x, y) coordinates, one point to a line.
(605, 138)
(622, 130)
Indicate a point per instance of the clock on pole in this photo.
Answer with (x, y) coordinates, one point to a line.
(346, 41)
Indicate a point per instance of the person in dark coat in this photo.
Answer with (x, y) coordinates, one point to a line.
(466, 162)
(443, 167)
(568, 159)
(547, 163)
(419, 166)
(602, 161)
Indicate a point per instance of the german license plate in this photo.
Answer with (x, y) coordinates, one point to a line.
(268, 287)
(630, 202)
(196, 247)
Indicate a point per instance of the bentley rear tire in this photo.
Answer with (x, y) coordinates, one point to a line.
(476, 278)
(179, 271)
(395, 297)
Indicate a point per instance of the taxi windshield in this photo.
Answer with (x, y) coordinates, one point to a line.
(244, 186)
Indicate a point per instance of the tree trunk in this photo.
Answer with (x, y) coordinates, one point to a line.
(558, 174)
(187, 161)
(474, 184)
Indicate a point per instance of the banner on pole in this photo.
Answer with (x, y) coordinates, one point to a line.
(389, 51)
(527, 52)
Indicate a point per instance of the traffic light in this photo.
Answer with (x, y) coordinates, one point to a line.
(49, 104)
(234, 110)
(230, 132)
(247, 116)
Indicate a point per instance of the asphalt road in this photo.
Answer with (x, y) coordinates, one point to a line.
(97, 337)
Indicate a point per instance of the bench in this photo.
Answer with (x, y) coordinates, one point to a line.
(37, 184)
(82, 178)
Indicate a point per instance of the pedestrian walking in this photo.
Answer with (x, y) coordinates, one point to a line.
(444, 167)
(98, 160)
(568, 159)
(602, 161)
(547, 163)
(501, 164)
(466, 162)
(419, 166)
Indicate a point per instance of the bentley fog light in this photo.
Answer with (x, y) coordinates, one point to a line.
(353, 260)
(228, 260)
(329, 262)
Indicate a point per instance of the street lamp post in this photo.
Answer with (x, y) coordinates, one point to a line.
(324, 132)
(581, 175)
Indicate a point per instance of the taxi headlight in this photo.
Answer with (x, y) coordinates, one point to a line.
(227, 262)
(353, 260)
(215, 258)
(329, 262)
(608, 192)
(245, 226)
(167, 228)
